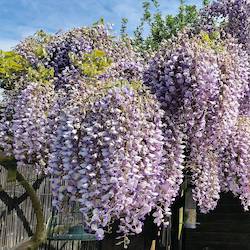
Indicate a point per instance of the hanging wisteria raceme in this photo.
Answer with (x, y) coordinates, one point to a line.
(234, 65)
(235, 162)
(235, 157)
(200, 83)
(6, 122)
(235, 69)
(30, 125)
(172, 176)
(110, 156)
(233, 62)
(203, 138)
(245, 102)
(24, 125)
(186, 81)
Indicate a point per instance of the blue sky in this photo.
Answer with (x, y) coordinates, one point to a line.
(21, 18)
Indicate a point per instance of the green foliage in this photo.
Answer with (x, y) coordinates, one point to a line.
(12, 66)
(206, 2)
(101, 21)
(123, 27)
(41, 37)
(92, 64)
(147, 13)
(135, 85)
(40, 74)
(37, 43)
(40, 51)
(212, 40)
(162, 27)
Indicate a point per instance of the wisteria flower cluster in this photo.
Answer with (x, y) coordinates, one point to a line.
(200, 84)
(49, 75)
(111, 157)
(235, 162)
(56, 52)
(94, 129)
(30, 125)
(116, 133)
(232, 14)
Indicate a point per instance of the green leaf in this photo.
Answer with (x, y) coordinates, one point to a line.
(206, 2)
(40, 74)
(99, 53)
(40, 52)
(91, 64)
(162, 27)
(12, 66)
(101, 21)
